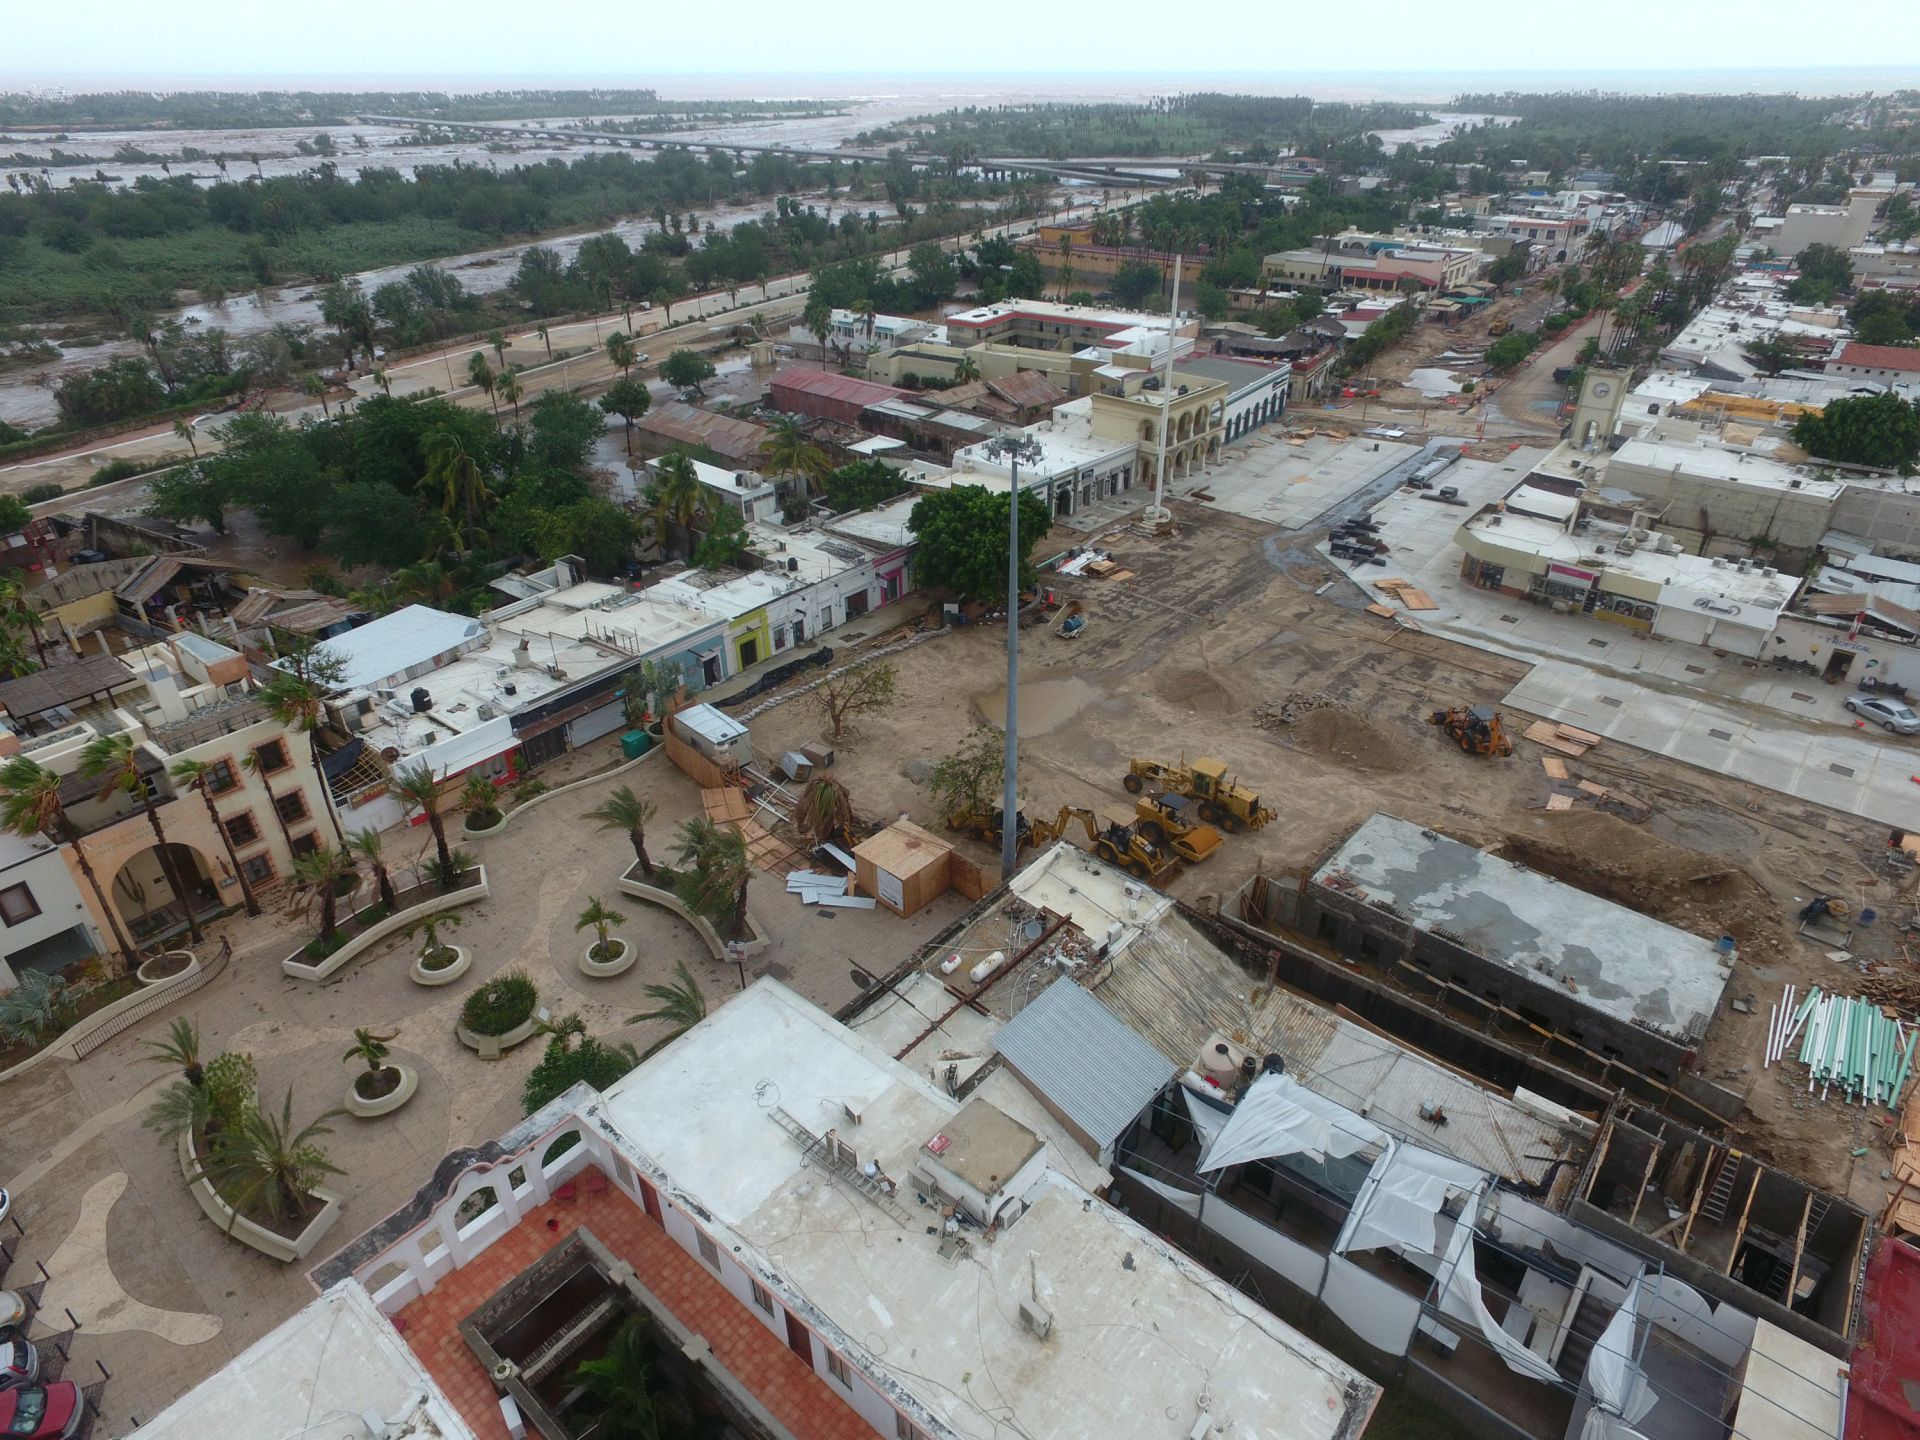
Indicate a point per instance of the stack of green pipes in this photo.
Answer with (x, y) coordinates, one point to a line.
(1847, 1045)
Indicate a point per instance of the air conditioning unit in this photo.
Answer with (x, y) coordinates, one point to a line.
(1039, 1321)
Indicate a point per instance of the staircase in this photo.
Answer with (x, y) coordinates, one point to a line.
(1589, 1324)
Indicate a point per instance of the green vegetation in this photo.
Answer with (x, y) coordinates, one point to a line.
(504, 1002)
(682, 1005)
(1510, 349)
(863, 484)
(1881, 430)
(963, 540)
(573, 1056)
(1825, 271)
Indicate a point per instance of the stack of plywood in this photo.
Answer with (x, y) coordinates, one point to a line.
(1565, 739)
(730, 808)
(1407, 593)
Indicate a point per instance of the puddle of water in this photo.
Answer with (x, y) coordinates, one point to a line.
(1045, 705)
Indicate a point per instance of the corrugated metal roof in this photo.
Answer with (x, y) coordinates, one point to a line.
(689, 425)
(833, 387)
(1084, 1061)
(63, 684)
(1027, 389)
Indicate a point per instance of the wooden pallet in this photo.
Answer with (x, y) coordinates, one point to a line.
(1545, 732)
(1415, 599)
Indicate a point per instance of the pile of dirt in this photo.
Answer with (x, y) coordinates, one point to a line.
(1279, 715)
(1196, 688)
(1605, 856)
(1343, 737)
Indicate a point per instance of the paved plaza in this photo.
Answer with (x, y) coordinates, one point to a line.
(161, 1296)
(1287, 485)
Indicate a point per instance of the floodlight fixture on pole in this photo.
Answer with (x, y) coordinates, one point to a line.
(1013, 449)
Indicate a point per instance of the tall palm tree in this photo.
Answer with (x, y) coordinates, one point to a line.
(682, 1005)
(717, 887)
(383, 380)
(316, 389)
(321, 870)
(197, 775)
(368, 846)
(457, 475)
(621, 352)
(184, 431)
(511, 390)
(426, 582)
(788, 451)
(418, 790)
(30, 805)
(966, 369)
(545, 338)
(863, 312)
(296, 703)
(16, 609)
(626, 811)
(676, 490)
(114, 760)
(480, 374)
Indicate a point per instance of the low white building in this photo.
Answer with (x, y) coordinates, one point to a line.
(749, 495)
(44, 923)
(859, 333)
(1076, 465)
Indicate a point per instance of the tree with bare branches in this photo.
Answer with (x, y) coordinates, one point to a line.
(855, 691)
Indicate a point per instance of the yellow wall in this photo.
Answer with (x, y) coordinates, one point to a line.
(751, 626)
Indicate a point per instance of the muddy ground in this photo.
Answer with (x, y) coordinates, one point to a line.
(1220, 620)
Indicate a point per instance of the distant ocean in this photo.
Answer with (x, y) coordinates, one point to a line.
(943, 91)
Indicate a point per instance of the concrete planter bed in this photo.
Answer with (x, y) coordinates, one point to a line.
(446, 974)
(480, 832)
(167, 965)
(492, 1047)
(415, 902)
(271, 1243)
(388, 1103)
(145, 999)
(753, 943)
(624, 954)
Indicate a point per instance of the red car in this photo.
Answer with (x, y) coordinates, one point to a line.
(52, 1412)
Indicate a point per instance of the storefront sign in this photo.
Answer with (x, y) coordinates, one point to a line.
(1569, 572)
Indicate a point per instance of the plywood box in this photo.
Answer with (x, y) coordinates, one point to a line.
(903, 867)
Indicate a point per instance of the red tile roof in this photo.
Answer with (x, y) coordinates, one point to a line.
(744, 1347)
(1878, 357)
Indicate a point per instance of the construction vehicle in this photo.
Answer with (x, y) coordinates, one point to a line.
(1476, 729)
(1115, 837)
(984, 826)
(1500, 326)
(1171, 820)
(1222, 800)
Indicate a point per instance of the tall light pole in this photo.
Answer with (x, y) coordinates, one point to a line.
(1013, 449)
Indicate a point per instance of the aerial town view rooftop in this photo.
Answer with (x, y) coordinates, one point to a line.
(709, 747)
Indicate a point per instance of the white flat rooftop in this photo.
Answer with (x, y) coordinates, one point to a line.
(1739, 467)
(1629, 966)
(1691, 573)
(396, 643)
(312, 1378)
(1139, 1332)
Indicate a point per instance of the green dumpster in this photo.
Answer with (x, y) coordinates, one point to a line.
(635, 743)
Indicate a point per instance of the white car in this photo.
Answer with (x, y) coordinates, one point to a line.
(1894, 716)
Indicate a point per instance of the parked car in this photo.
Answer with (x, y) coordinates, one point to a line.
(52, 1412)
(19, 1364)
(1894, 716)
(13, 1312)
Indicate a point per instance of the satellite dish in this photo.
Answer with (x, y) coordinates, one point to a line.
(1032, 929)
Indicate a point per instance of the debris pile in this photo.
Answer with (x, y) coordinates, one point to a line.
(1279, 715)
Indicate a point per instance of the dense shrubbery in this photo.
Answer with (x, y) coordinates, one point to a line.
(500, 1005)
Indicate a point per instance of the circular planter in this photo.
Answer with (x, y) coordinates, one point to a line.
(167, 965)
(462, 962)
(492, 1047)
(388, 1103)
(605, 969)
(479, 831)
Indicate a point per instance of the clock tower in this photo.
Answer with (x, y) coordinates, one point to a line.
(1599, 408)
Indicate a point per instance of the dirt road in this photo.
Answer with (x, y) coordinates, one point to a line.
(1178, 660)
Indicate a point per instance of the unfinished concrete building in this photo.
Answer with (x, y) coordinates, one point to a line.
(1730, 1226)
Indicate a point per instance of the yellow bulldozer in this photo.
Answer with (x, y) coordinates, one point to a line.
(1171, 820)
(1476, 729)
(1222, 800)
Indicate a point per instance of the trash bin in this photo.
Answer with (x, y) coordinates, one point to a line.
(635, 743)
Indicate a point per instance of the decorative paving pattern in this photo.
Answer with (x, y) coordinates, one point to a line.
(84, 1283)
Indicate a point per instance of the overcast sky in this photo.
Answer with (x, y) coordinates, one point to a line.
(269, 42)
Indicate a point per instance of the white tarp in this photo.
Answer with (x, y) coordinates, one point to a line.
(1186, 1200)
(1621, 1395)
(1279, 1116)
(1207, 1119)
(1402, 1199)
(1461, 1299)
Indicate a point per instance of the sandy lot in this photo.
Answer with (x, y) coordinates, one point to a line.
(1221, 620)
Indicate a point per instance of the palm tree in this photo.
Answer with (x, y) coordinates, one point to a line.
(457, 476)
(321, 870)
(197, 775)
(114, 760)
(676, 490)
(545, 339)
(621, 352)
(788, 451)
(498, 340)
(16, 609)
(480, 374)
(601, 920)
(378, 596)
(295, 702)
(182, 430)
(682, 1005)
(626, 811)
(426, 928)
(265, 1164)
(418, 790)
(426, 582)
(720, 868)
(616, 1390)
(316, 389)
(825, 810)
(368, 846)
(180, 1049)
(511, 390)
(383, 380)
(966, 369)
(480, 797)
(370, 1048)
(863, 312)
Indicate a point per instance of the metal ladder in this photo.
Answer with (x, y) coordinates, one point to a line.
(815, 1150)
(1721, 1195)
